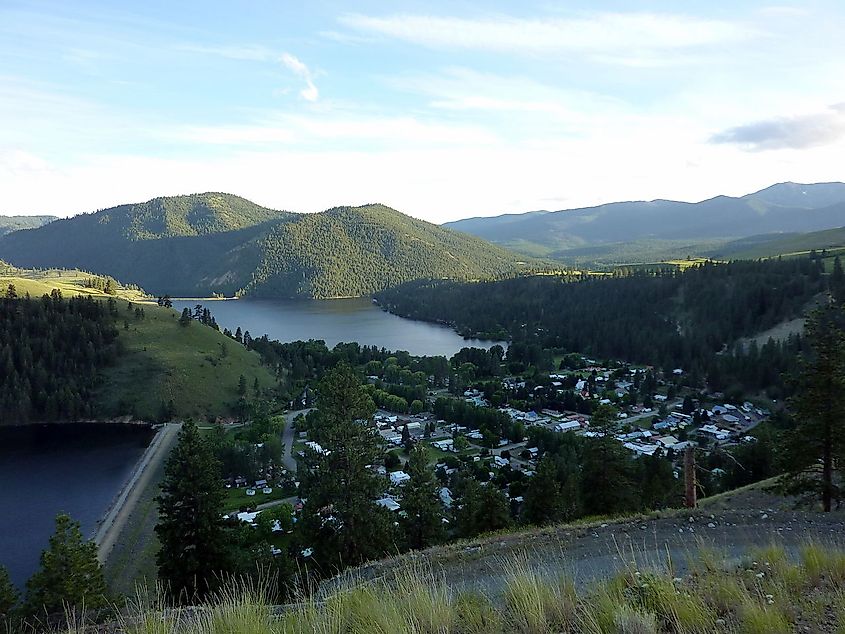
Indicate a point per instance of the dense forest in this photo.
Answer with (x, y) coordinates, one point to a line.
(688, 319)
(51, 350)
(217, 243)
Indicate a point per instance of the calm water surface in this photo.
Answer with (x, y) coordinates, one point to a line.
(49, 469)
(333, 321)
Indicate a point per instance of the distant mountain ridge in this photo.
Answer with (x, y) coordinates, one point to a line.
(15, 223)
(207, 243)
(781, 208)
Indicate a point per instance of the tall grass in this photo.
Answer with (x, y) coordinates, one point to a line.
(768, 593)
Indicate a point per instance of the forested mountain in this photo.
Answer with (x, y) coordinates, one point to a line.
(218, 243)
(13, 223)
(359, 250)
(690, 319)
(786, 207)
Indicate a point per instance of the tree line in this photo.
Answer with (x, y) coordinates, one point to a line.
(666, 318)
(51, 352)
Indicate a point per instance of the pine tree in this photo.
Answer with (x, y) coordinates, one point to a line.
(606, 469)
(341, 520)
(190, 527)
(70, 576)
(185, 319)
(481, 509)
(543, 495)
(819, 409)
(423, 521)
(837, 280)
(8, 598)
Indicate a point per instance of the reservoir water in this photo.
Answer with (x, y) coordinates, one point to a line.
(333, 321)
(50, 469)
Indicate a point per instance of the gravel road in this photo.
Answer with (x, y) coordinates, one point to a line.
(592, 553)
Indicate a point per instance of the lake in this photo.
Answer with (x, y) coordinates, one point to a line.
(48, 469)
(333, 321)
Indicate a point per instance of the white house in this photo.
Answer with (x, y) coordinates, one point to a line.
(399, 477)
(389, 503)
(568, 425)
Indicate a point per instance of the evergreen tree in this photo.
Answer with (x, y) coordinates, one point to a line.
(481, 509)
(340, 520)
(837, 280)
(818, 438)
(242, 385)
(185, 319)
(607, 486)
(423, 521)
(190, 527)
(70, 576)
(8, 598)
(543, 495)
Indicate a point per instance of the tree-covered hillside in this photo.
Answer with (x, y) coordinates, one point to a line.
(14, 223)
(354, 251)
(217, 243)
(670, 319)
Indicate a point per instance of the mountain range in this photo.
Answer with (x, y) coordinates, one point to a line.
(14, 223)
(208, 243)
(781, 208)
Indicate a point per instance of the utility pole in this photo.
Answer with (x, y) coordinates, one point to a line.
(689, 478)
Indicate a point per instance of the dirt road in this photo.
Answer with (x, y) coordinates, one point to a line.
(115, 520)
(590, 553)
(288, 437)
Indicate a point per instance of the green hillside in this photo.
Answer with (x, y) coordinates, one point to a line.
(14, 223)
(70, 282)
(195, 367)
(216, 243)
(159, 361)
(794, 244)
(354, 251)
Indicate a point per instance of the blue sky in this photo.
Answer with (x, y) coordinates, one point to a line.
(440, 109)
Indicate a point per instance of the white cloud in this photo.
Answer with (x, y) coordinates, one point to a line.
(638, 35)
(298, 68)
(796, 132)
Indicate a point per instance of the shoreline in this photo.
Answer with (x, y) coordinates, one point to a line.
(113, 522)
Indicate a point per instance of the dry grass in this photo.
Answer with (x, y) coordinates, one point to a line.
(768, 592)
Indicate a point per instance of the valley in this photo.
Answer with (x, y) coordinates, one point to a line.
(481, 413)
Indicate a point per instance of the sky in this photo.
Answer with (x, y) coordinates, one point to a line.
(442, 110)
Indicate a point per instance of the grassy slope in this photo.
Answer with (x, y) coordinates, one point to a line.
(801, 244)
(164, 361)
(70, 283)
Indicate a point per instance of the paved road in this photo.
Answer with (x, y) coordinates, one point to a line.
(288, 437)
(670, 407)
(115, 520)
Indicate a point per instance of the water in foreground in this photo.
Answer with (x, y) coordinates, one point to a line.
(49, 469)
(333, 321)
